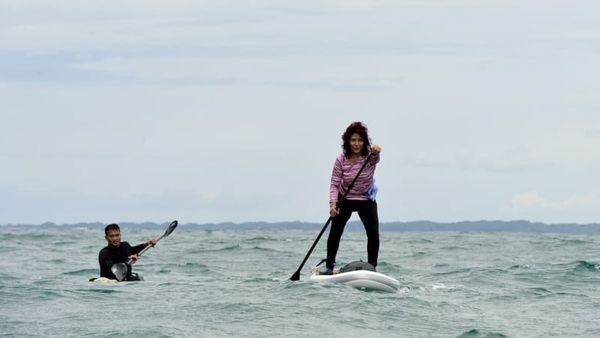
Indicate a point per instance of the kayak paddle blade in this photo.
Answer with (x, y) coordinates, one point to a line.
(170, 229)
(120, 271)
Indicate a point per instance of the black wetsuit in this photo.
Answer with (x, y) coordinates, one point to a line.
(109, 256)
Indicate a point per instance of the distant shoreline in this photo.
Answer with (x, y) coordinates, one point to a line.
(411, 226)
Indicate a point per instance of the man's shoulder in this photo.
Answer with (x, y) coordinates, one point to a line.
(104, 250)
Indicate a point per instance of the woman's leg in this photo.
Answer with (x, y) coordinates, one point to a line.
(368, 215)
(335, 234)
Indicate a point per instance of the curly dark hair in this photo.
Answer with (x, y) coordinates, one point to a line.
(360, 129)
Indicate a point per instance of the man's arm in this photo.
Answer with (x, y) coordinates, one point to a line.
(105, 264)
(136, 249)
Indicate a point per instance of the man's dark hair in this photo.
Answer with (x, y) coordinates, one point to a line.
(113, 226)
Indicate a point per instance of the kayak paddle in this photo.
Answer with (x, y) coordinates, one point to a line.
(120, 269)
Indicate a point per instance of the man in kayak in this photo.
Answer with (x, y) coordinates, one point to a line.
(119, 252)
(361, 198)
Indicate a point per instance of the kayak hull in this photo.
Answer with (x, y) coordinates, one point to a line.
(134, 277)
(104, 280)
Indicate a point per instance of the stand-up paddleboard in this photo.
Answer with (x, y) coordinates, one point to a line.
(360, 275)
(103, 280)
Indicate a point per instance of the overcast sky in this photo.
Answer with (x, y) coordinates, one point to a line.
(213, 111)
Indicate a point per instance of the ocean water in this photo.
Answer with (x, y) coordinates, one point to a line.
(235, 283)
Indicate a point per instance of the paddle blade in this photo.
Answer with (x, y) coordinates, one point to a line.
(295, 276)
(120, 271)
(170, 229)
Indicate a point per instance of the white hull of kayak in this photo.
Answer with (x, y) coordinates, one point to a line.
(361, 279)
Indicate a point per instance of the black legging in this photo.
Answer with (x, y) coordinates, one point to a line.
(367, 211)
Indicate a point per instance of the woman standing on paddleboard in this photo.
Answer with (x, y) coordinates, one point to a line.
(357, 149)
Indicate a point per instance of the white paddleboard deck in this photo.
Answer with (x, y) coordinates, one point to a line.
(361, 279)
(104, 280)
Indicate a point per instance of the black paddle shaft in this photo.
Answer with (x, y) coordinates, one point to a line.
(296, 275)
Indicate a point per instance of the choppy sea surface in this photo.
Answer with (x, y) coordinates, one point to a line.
(235, 283)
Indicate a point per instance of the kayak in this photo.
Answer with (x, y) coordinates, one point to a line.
(359, 278)
(135, 277)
